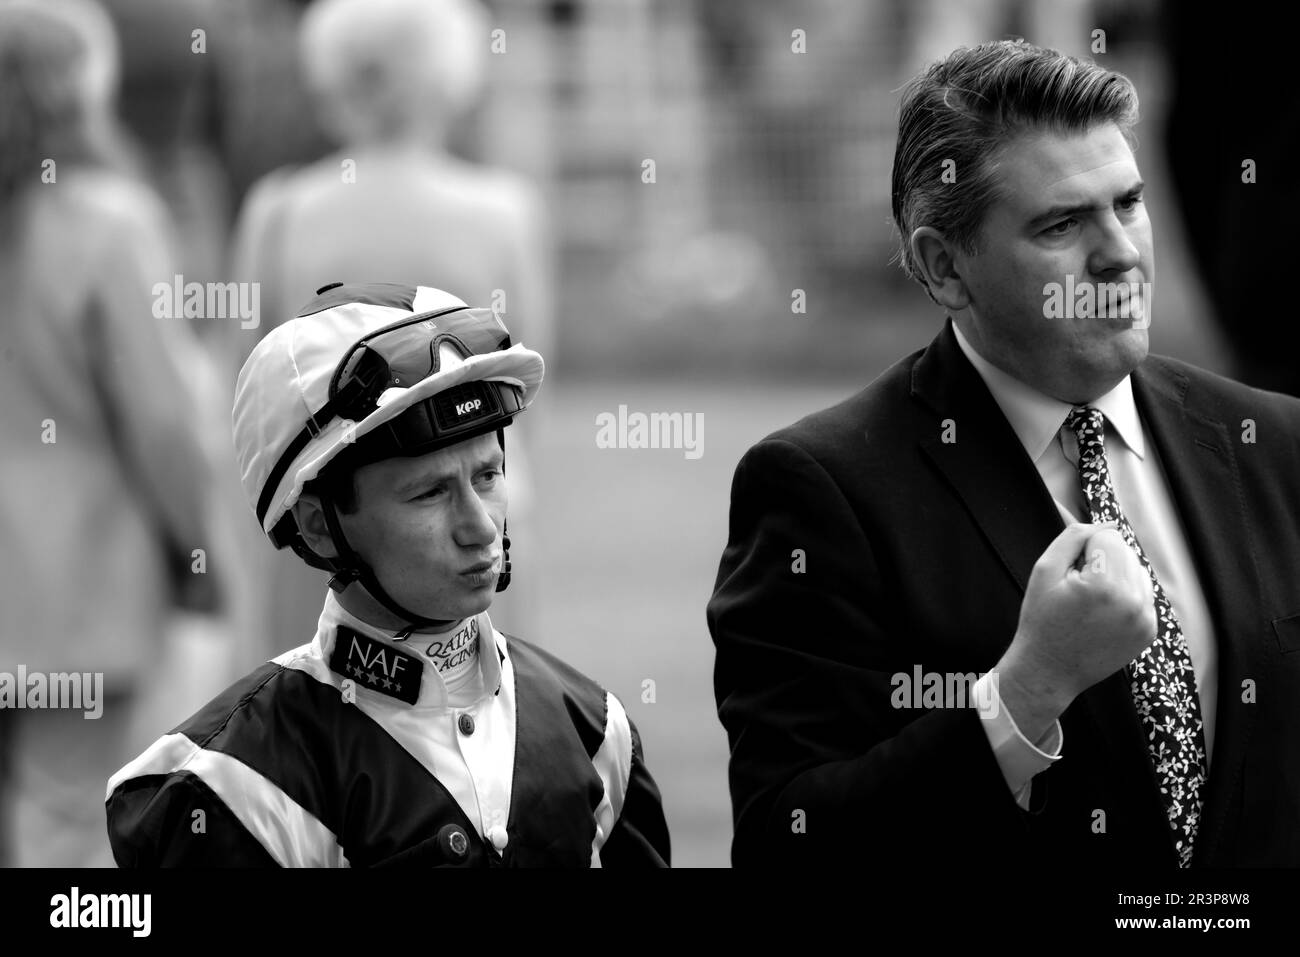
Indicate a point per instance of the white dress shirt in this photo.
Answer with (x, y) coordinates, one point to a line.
(1143, 493)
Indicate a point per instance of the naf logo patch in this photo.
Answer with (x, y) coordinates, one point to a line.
(375, 665)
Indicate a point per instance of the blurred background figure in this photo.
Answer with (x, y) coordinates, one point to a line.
(104, 472)
(169, 101)
(391, 81)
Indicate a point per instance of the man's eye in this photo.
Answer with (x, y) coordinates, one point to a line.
(489, 475)
(1130, 204)
(431, 493)
(1061, 228)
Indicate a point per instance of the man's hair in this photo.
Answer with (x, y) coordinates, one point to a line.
(966, 108)
(378, 63)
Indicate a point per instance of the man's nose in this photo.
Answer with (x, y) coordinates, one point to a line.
(474, 524)
(1115, 250)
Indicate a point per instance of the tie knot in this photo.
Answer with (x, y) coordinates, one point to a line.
(1087, 423)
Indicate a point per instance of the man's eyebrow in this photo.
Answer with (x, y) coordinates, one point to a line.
(1067, 210)
(430, 479)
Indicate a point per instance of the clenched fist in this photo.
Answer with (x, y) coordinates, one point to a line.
(1088, 611)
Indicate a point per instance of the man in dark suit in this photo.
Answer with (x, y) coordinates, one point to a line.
(1103, 545)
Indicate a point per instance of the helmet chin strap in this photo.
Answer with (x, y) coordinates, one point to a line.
(351, 567)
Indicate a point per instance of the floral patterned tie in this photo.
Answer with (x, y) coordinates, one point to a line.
(1162, 679)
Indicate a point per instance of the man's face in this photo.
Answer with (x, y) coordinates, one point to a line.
(430, 527)
(1071, 214)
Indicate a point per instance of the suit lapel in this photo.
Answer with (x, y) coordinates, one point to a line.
(1201, 469)
(986, 466)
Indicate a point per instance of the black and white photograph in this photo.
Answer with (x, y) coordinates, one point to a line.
(639, 434)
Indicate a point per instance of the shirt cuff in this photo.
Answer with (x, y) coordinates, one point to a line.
(1018, 757)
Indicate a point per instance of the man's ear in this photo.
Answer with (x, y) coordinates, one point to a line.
(309, 515)
(934, 258)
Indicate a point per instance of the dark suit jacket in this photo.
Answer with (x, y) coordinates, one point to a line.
(917, 552)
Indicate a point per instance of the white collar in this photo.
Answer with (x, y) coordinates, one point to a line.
(1037, 418)
(433, 690)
